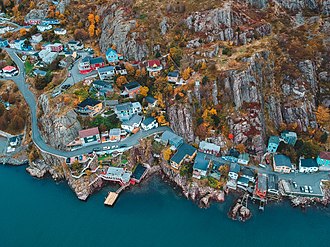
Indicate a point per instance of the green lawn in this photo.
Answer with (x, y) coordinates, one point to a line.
(28, 67)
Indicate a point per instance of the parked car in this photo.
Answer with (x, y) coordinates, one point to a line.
(56, 93)
(295, 185)
(65, 87)
(306, 188)
(106, 148)
(261, 165)
(310, 189)
(123, 146)
(302, 189)
(97, 149)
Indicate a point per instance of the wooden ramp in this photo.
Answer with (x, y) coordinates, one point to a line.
(111, 198)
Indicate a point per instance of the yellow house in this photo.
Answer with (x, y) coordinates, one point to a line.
(89, 107)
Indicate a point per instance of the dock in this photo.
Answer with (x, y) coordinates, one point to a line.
(111, 198)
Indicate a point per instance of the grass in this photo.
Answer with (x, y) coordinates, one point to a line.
(28, 67)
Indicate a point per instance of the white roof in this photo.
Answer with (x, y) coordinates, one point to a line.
(209, 146)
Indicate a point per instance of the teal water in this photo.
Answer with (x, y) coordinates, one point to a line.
(42, 213)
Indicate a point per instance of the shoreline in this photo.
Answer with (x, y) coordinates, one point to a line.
(203, 197)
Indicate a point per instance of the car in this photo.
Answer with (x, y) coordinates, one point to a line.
(310, 189)
(302, 189)
(123, 146)
(262, 165)
(56, 93)
(295, 185)
(306, 188)
(97, 149)
(65, 87)
(106, 148)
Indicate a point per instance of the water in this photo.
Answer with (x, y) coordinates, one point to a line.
(42, 213)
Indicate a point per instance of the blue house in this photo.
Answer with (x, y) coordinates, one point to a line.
(3, 43)
(185, 152)
(323, 160)
(112, 56)
(289, 137)
(201, 166)
(50, 21)
(273, 143)
(168, 137)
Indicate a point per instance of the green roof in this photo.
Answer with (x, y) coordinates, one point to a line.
(184, 150)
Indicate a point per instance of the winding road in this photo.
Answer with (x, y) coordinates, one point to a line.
(36, 134)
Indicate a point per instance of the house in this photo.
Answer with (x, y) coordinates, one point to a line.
(84, 65)
(248, 173)
(184, 152)
(114, 135)
(33, 21)
(133, 123)
(289, 137)
(44, 27)
(120, 69)
(4, 30)
(149, 123)
(75, 45)
(173, 77)
(154, 67)
(103, 87)
(9, 71)
(273, 143)
(282, 163)
(243, 182)
(36, 38)
(243, 159)
(19, 44)
(117, 174)
(56, 47)
(261, 186)
(89, 136)
(168, 137)
(47, 56)
(210, 148)
(106, 73)
(308, 165)
(97, 62)
(111, 56)
(273, 184)
(323, 160)
(201, 165)
(50, 21)
(131, 89)
(89, 107)
(13, 141)
(125, 111)
(152, 102)
(60, 31)
(3, 43)
(38, 72)
(234, 170)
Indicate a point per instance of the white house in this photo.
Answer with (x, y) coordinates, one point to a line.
(75, 45)
(132, 123)
(308, 165)
(207, 147)
(234, 170)
(59, 31)
(44, 27)
(47, 56)
(243, 159)
(149, 123)
(107, 72)
(36, 38)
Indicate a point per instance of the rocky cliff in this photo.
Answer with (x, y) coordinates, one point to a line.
(58, 129)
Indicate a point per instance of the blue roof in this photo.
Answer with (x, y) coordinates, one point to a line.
(274, 139)
(308, 163)
(110, 50)
(148, 120)
(282, 160)
(96, 60)
(200, 162)
(39, 72)
(183, 150)
(169, 136)
(234, 168)
(244, 156)
(150, 99)
(106, 69)
(173, 74)
(132, 85)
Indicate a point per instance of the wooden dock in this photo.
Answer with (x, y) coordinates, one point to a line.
(111, 198)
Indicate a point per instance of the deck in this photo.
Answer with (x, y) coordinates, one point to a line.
(111, 198)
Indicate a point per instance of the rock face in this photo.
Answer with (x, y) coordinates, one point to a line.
(56, 128)
(180, 117)
(62, 5)
(117, 29)
(201, 195)
(39, 13)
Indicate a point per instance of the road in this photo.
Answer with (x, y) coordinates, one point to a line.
(36, 134)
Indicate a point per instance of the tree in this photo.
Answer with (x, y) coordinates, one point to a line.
(130, 69)
(32, 5)
(167, 153)
(161, 119)
(120, 81)
(22, 32)
(322, 115)
(80, 34)
(91, 18)
(91, 30)
(186, 73)
(241, 148)
(203, 67)
(97, 18)
(144, 91)
(2, 109)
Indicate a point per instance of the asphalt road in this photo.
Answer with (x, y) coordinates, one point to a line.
(36, 135)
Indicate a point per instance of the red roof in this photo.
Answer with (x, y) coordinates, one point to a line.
(325, 155)
(9, 68)
(89, 132)
(154, 63)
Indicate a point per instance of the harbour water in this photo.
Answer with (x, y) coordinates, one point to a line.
(42, 213)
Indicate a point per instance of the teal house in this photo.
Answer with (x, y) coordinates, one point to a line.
(323, 160)
(3, 43)
(273, 143)
(111, 56)
(289, 137)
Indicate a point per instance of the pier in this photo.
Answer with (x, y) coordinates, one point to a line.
(112, 196)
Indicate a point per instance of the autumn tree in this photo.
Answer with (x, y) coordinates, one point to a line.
(203, 67)
(241, 148)
(22, 32)
(130, 69)
(167, 153)
(186, 73)
(91, 30)
(121, 80)
(80, 34)
(322, 115)
(144, 91)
